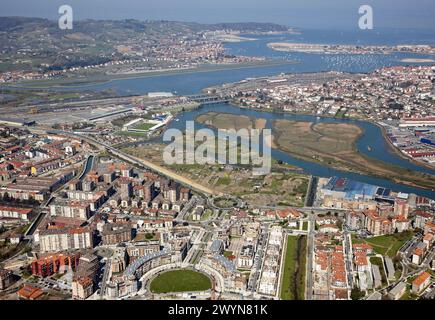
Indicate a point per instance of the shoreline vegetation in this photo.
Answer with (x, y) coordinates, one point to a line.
(344, 155)
(332, 145)
(107, 78)
(391, 146)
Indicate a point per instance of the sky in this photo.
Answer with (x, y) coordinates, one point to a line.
(327, 14)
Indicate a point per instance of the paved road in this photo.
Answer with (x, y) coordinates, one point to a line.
(311, 191)
(107, 267)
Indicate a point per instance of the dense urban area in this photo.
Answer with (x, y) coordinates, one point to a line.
(90, 211)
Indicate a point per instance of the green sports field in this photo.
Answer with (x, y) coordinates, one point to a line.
(180, 281)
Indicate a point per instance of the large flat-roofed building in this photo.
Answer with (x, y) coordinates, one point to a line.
(16, 122)
(88, 266)
(70, 209)
(37, 188)
(417, 122)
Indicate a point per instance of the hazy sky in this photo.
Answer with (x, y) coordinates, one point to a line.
(331, 14)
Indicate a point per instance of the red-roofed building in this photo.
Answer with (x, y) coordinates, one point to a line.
(361, 261)
(15, 212)
(417, 255)
(29, 292)
(421, 218)
(49, 265)
(421, 282)
(429, 227)
(428, 240)
(82, 288)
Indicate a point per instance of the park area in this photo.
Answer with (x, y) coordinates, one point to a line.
(181, 280)
(293, 277)
(387, 245)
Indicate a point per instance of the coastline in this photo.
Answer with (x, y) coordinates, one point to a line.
(77, 82)
(408, 183)
(391, 146)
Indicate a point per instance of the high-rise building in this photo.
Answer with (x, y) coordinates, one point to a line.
(54, 240)
(149, 191)
(6, 279)
(116, 233)
(126, 188)
(184, 194)
(401, 208)
(57, 263)
(82, 287)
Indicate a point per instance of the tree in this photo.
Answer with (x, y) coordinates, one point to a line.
(356, 294)
(6, 197)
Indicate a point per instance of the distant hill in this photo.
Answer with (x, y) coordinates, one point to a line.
(35, 44)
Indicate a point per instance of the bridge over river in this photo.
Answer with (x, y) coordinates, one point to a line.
(207, 99)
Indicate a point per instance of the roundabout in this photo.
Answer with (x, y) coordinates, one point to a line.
(226, 202)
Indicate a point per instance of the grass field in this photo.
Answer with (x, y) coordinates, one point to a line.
(207, 214)
(387, 245)
(144, 126)
(223, 181)
(293, 278)
(180, 281)
(228, 254)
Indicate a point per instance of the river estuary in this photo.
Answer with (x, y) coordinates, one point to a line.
(194, 82)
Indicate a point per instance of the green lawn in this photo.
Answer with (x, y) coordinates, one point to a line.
(223, 181)
(228, 254)
(408, 295)
(144, 126)
(207, 214)
(180, 281)
(387, 245)
(293, 278)
(305, 225)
